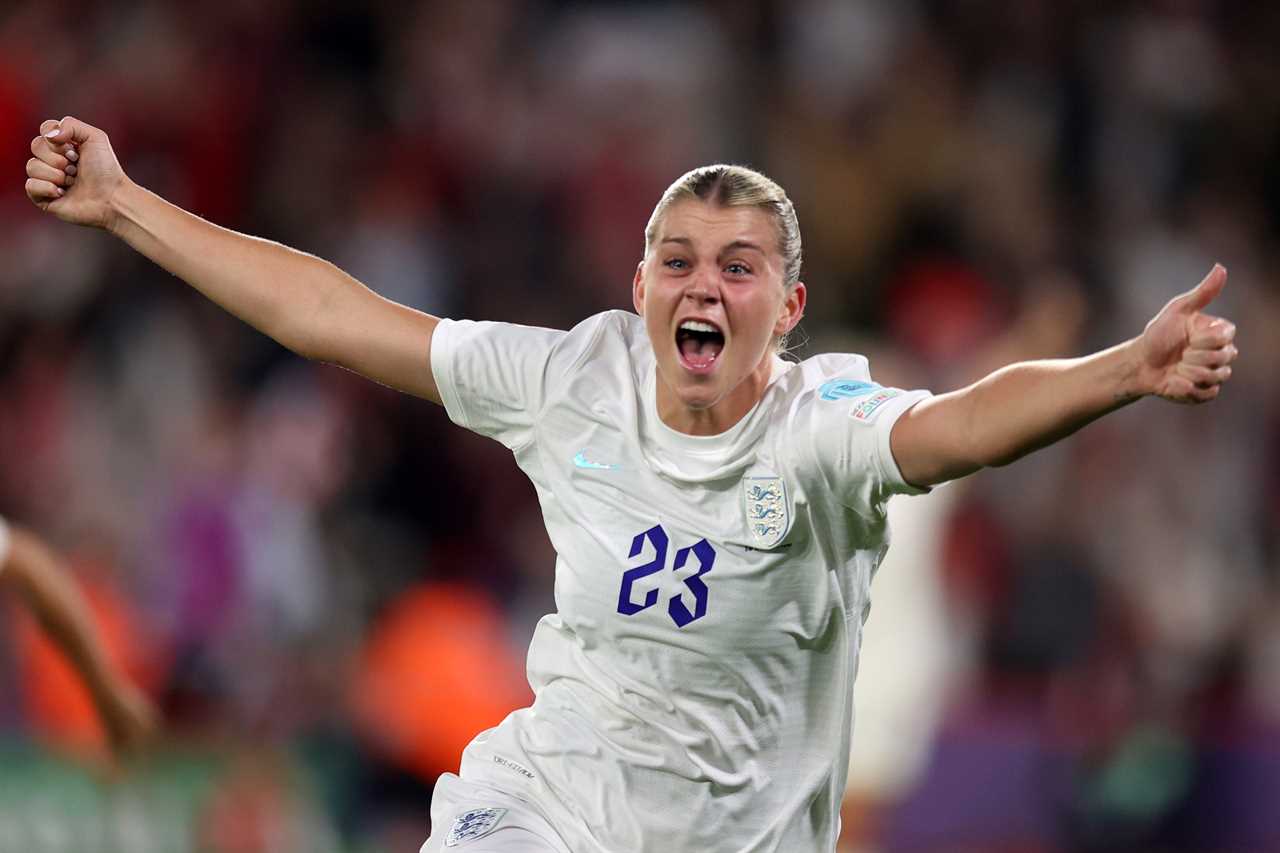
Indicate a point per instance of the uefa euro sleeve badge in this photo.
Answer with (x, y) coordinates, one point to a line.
(764, 499)
(473, 824)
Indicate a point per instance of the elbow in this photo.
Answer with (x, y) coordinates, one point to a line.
(307, 328)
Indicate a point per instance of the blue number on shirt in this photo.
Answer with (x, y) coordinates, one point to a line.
(658, 537)
(678, 610)
(706, 559)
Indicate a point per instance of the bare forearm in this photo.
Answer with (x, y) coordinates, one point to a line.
(271, 287)
(1183, 355)
(305, 303)
(1027, 406)
(1016, 410)
(61, 610)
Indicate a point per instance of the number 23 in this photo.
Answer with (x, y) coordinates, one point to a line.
(676, 608)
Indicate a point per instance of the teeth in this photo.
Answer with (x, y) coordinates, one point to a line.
(697, 326)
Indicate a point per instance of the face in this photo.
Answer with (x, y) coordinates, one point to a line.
(712, 296)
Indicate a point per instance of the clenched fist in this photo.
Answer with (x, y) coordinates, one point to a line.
(73, 172)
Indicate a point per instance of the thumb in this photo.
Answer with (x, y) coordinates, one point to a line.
(69, 130)
(1206, 291)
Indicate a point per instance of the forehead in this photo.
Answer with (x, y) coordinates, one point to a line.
(710, 226)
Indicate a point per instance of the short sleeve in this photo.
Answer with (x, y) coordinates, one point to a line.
(492, 376)
(852, 422)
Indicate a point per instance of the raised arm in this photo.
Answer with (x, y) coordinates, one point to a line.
(1183, 355)
(305, 303)
(30, 568)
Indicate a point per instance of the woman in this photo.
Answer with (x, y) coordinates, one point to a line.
(717, 513)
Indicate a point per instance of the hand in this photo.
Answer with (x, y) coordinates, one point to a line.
(73, 172)
(1185, 354)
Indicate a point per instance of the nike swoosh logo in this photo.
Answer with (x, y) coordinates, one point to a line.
(582, 461)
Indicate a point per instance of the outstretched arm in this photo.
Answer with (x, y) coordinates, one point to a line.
(29, 568)
(1183, 355)
(305, 303)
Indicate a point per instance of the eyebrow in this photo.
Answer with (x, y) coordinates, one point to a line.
(736, 244)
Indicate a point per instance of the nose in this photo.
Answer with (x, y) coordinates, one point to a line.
(703, 290)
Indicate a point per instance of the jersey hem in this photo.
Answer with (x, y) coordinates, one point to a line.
(888, 464)
(442, 352)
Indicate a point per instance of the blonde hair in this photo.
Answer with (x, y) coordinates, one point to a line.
(734, 186)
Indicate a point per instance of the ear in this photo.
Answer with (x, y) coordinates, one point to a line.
(637, 289)
(791, 311)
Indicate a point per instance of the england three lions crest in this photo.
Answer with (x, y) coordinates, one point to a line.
(765, 501)
(474, 824)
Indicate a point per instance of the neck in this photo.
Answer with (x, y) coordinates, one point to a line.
(721, 415)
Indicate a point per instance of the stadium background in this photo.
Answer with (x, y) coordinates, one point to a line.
(329, 588)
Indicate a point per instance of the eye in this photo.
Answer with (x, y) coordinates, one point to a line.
(675, 264)
(737, 268)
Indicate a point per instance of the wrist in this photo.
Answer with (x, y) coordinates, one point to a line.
(120, 207)
(1133, 381)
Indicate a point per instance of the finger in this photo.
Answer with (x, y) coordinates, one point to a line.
(1211, 357)
(70, 129)
(1204, 395)
(44, 172)
(49, 153)
(1211, 332)
(42, 191)
(1178, 389)
(1204, 377)
(1206, 291)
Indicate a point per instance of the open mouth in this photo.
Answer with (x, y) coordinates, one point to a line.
(699, 344)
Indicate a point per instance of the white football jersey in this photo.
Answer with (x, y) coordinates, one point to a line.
(693, 689)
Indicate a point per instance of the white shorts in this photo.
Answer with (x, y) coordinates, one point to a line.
(472, 818)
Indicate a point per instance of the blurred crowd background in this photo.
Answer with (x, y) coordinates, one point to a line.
(329, 589)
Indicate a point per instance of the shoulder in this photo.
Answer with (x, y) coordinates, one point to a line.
(614, 336)
(617, 322)
(833, 391)
(505, 339)
(829, 377)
